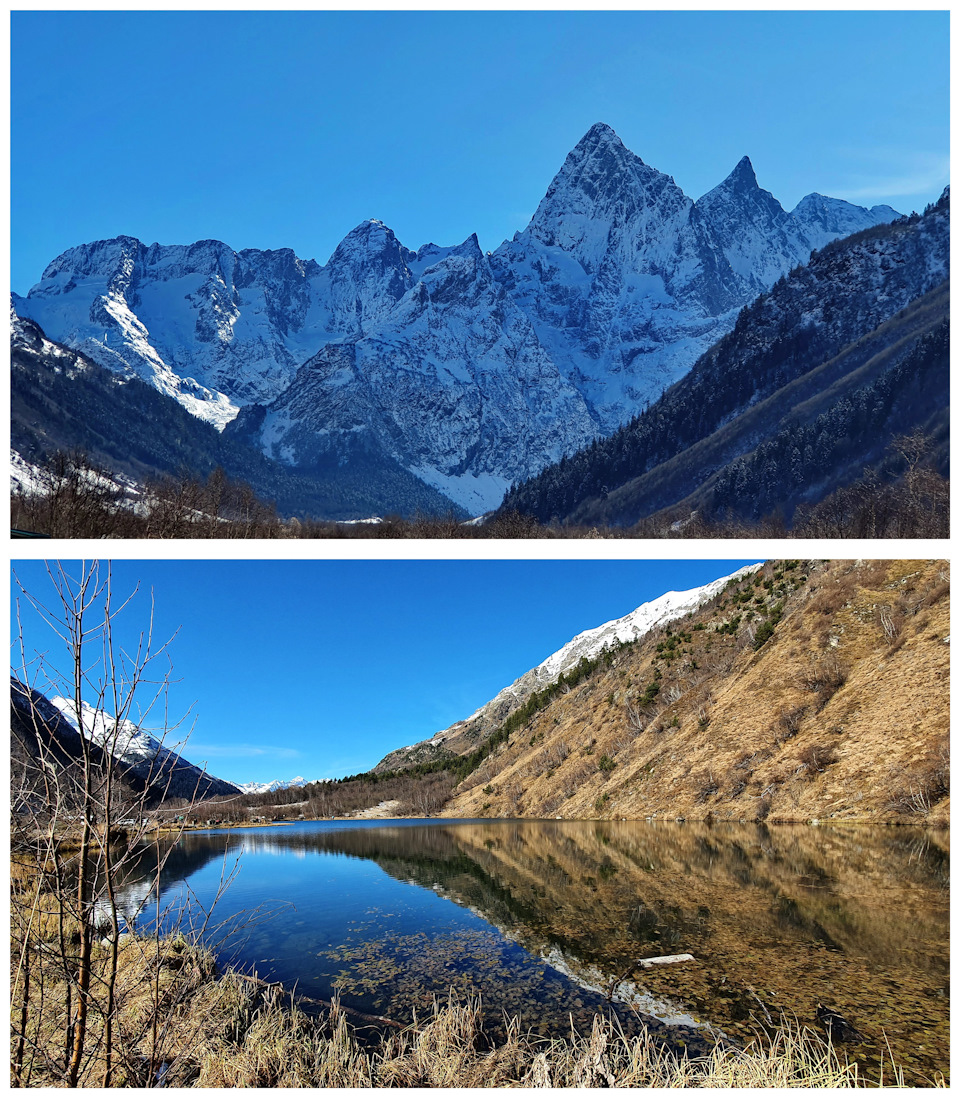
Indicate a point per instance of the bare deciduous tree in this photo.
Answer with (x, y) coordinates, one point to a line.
(79, 823)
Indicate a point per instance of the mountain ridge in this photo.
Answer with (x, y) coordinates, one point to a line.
(466, 734)
(48, 733)
(804, 691)
(470, 371)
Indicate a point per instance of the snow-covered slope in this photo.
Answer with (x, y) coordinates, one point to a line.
(470, 370)
(141, 753)
(668, 607)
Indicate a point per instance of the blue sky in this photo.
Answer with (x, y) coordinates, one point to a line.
(319, 668)
(287, 129)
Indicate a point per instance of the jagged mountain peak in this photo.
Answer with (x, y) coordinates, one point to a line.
(605, 201)
(743, 175)
(741, 187)
(598, 135)
(370, 235)
(600, 166)
(431, 253)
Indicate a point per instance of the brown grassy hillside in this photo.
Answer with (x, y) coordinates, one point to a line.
(842, 711)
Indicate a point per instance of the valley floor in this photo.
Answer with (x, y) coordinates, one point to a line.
(73, 497)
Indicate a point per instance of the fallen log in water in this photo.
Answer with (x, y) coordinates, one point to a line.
(647, 962)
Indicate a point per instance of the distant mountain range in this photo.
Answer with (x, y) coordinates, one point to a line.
(272, 787)
(454, 371)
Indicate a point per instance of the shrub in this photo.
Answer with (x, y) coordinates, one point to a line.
(789, 721)
(925, 788)
(650, 692)
(708, 788)
(765, 629)
(824, 678)
(817, 757)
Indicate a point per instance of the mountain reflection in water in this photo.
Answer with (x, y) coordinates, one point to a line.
(541, 917)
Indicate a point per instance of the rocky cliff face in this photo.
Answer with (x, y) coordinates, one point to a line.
(803, 339)
(469, 370)
(451, 382)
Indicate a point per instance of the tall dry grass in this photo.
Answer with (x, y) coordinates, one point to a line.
(228, 1030)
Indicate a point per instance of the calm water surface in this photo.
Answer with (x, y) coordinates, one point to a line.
(541, 917)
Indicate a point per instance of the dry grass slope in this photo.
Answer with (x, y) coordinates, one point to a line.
(842, 713)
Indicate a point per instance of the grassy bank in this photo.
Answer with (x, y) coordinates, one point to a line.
(181, 1022)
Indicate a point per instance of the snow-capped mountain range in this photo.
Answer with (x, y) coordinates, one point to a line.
(659, 611)
(469, 369)
(272, 787)
(784, 408)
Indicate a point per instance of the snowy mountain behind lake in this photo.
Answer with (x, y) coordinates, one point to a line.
(469, 369)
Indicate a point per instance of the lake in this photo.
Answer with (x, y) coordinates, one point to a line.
(542, 917)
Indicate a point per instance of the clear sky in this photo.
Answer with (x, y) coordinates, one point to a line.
(319, 668)
(286, 129)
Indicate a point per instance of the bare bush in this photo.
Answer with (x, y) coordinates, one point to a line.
(926, 787)
(789, 722)
(707, 787)
(79, 830)
(635, 717)
(890, 619)
(557, 754)
(816, 757)
(823, 677)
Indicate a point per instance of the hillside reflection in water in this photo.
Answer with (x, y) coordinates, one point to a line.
(541, 916)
